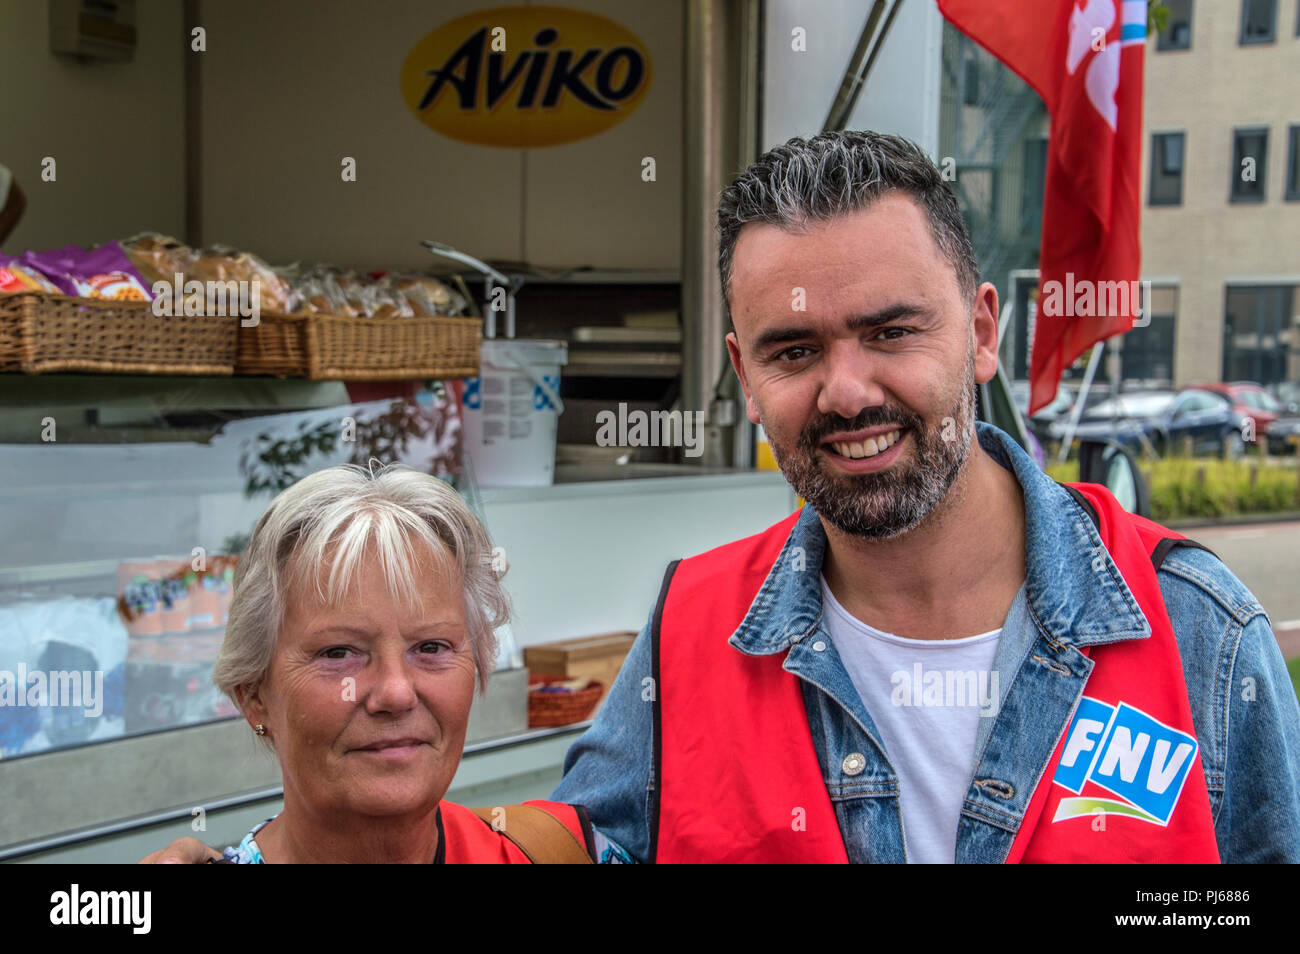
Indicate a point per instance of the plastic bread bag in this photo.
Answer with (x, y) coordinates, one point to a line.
(222, 263)
(430, 293)
(361, 302)
(315, 301)
(380, 301)
(335, 302)
(278, 296)
(392, 303)
(459, 305)
(325, 280)
(416, 294)
(450, 301)
(212, 264)
(338, 301)
(306, 294)
(159, 258)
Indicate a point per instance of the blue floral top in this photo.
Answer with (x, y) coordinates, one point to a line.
(247, 852)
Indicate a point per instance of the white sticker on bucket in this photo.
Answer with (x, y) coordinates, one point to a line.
(511, 411)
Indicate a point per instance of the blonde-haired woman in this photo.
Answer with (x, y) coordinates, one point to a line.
(363, 616)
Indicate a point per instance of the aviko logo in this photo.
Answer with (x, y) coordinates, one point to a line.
(521, 77)
(1129, 754)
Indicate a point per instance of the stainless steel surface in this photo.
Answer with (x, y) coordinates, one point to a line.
(617, 335)
(492, 278)
(592, 454)
(502, 710)
(626, 364)
(140, 821)
(48, 794)
(537, 275)
(715, 47)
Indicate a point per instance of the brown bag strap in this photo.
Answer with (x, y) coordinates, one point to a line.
(542, 837)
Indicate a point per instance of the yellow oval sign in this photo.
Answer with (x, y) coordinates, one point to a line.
(526, 76)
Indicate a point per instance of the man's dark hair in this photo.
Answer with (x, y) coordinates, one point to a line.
(833, 174)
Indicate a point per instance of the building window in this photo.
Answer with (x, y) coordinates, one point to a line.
(1293, 164)
(1258, 21)
(1177, 34)
(1166, 186)
(1249, 152)
(1259, 334)
(1147, 351)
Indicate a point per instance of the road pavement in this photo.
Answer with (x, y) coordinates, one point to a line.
(1266, 557)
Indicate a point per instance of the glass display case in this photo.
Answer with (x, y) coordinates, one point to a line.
(126, 503)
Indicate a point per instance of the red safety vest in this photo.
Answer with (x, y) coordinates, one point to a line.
(471, 841)
(737, 775)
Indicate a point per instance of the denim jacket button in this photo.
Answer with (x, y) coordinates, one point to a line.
(819, 647)
(854, 763)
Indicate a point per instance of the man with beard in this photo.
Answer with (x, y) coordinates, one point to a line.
(945, 656)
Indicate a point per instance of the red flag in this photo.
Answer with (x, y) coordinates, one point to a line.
(1084, 58)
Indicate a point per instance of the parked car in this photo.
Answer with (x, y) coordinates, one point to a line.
(1284, 435)
(1130, 419)
(1060, 407)
(1251, 400)
(1101, 461)
(1288, 393)
(1161, 421)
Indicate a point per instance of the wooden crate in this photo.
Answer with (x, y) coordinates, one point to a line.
(591, 657)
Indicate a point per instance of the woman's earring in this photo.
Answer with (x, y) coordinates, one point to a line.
(259, 729)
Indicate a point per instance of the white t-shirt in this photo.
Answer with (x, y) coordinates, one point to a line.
(926, 698)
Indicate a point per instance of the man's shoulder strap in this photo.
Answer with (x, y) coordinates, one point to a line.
(656, 713)
(1162, 547)
(542, 837)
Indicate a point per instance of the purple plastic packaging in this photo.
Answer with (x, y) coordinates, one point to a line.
(103, 272)
(47, 264)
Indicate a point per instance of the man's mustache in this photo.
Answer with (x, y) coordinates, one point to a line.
(818, 430)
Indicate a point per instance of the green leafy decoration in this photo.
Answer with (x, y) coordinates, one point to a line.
(273, 463)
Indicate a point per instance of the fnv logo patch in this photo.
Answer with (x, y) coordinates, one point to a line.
(1128, 753)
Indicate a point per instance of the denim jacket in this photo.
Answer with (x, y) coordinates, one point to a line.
(1244, 707)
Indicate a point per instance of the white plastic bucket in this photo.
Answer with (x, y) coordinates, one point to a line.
(511, 411)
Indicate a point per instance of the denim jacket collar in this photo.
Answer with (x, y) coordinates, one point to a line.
(1073, 590)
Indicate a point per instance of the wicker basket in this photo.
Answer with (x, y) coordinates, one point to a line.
(560, 708)
(339, 348)
(276, 345)
(42, 333)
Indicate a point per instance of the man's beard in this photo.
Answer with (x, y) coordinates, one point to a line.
(893, 501)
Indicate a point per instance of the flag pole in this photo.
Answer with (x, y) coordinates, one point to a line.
(1077, 410)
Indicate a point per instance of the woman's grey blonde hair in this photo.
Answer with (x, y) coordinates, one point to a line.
(319, 531)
